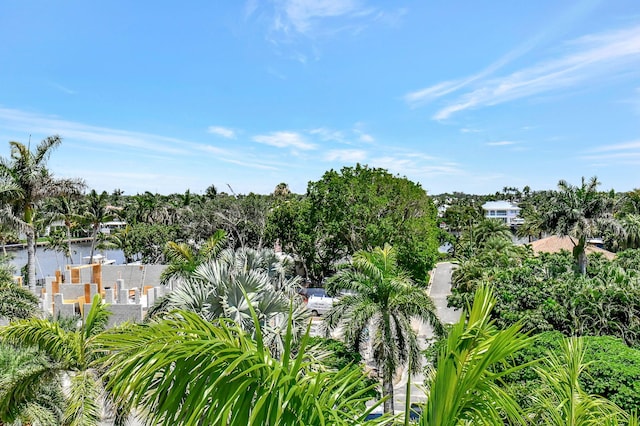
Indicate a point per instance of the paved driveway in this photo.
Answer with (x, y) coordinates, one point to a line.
(439, 290)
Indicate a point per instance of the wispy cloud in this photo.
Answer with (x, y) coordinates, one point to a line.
(501, 143)
(225, 132)
(327, 134)
(40, 124)
(300, 15)
(589, 58)
(619, 153)
(625, 146)
(416, 165)
(346, 155)
(63, 89)
(285, 140)
(365, 137)
(124, 142)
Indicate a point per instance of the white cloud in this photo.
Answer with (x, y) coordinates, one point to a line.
(285, 140)
(346, 155)
(225, 132)
(617, 147)
(364, 137)
(123, 142)
(592, 57)
(501, 143)
(34, 123)
(299, 15)
(415, 165)
(619, 153)
(326, 134)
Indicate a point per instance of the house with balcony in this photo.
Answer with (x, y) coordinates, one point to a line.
(505, 211)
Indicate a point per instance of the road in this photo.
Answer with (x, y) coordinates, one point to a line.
(439, 290)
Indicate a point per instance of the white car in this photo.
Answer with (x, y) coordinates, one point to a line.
(319, 305)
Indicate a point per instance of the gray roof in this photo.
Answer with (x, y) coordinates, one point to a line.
(499, 205)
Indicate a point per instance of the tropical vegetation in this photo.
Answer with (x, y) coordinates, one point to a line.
(544, 339)
(381, 307)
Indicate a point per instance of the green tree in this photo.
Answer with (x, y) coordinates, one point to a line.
(580, 212)
(612, 369)
(146, 242)
(233, 284)
(71, 352)
(31, 182)
(462, 387)
(384, 303)
(95, 213)
(65, 209)
(30, 394)
(217, 374)
(359, 208)
(184, 259)
(562, 401)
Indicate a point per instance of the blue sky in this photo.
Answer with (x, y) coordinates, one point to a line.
(459, 96)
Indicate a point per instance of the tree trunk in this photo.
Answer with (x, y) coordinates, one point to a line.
(31, 258)
(580, 255)
(407, 401)
(94, 237)
(387, 391)
(70, 256)
(582, 262)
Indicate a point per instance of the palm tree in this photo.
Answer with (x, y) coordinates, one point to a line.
(31, 182)
(631, 225)
(184, 259)
(581, 213)
(217, 374)
(235, 283)
(384, 303)
(489, 229)
(562, 401)
(463, 387)
(29, 393)
(95, 213)
(71, 352)
(64, 208)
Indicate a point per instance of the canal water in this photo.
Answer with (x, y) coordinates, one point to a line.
(48, 261)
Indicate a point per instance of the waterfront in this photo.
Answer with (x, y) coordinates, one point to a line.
(49, 261)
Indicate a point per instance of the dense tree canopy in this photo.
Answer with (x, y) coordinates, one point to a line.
(358, 208)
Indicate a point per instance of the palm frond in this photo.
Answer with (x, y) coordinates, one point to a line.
(216, 374)
(50, 338)
(85, 400)
(462, 387)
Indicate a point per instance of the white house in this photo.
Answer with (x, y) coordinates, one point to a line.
(503, 210)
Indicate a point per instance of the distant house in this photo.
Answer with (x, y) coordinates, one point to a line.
(554, 244)
(505, 211)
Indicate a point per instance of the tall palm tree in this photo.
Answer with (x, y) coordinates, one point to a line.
(580, 212)
(489, 229)
(95, 213)
(216, 374)
(631, 225)
(384, 303)
(65, 209)
(72, 353)
(463, 387)
(31, 182)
